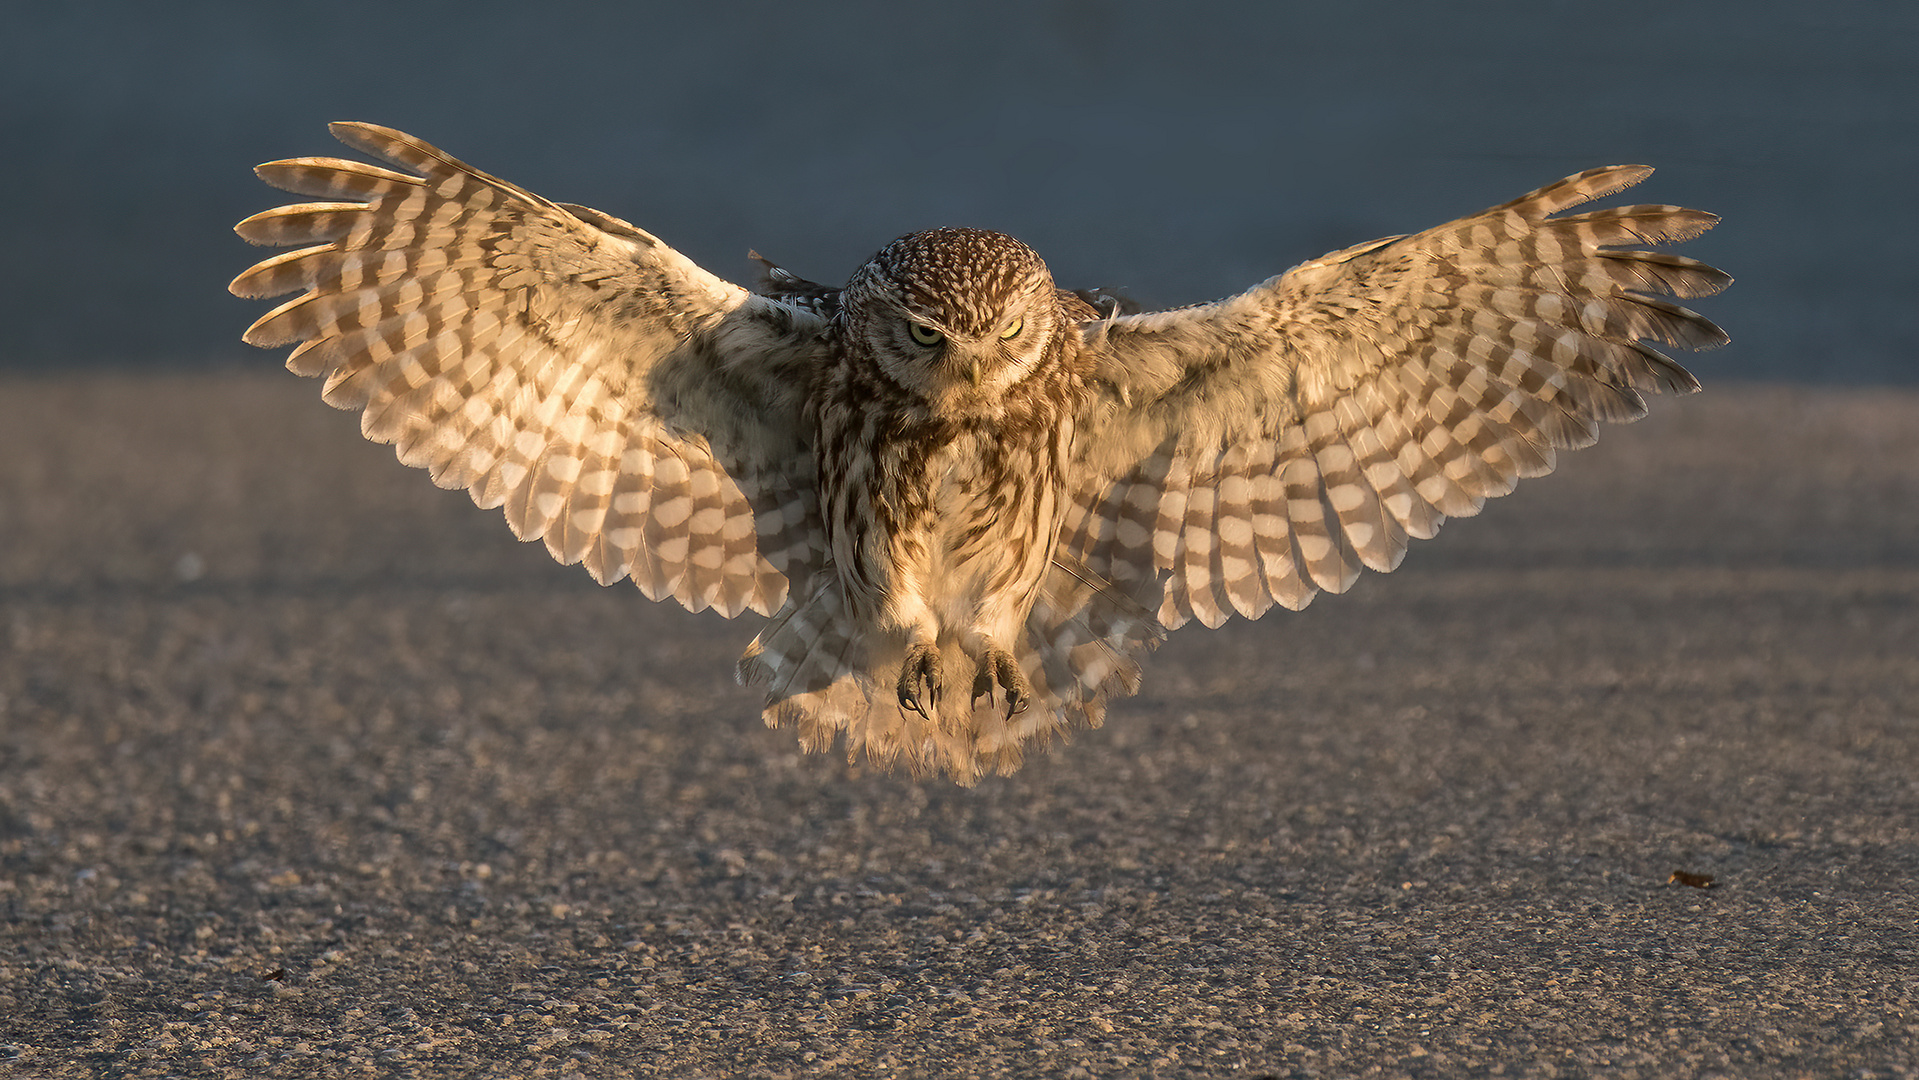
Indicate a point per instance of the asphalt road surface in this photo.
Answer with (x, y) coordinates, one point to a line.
(307, 768)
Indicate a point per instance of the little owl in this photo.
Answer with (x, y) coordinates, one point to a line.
(969, 500)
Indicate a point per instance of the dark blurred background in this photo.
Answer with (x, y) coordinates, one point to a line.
(1180, 152)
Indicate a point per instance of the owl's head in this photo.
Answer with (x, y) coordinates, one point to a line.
(957, 316)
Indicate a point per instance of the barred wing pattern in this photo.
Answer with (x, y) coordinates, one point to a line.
(637, 413)
(1265, 447)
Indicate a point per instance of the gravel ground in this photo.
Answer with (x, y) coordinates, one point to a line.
(307, 768)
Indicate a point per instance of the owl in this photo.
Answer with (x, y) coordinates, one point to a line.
(969, 501)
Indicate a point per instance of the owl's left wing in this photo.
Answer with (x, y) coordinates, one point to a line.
(1264, 447)
(639, 414)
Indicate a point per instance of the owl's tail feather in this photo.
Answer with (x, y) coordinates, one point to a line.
(810, 655)
(827, 674)
(1085, 640)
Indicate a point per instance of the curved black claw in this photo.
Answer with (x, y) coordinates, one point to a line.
(919, 687)
(998, 666)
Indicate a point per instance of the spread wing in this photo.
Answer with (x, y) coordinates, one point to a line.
(1264, 447)
(637, 413)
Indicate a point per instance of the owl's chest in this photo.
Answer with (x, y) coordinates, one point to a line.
(973, 486)
(959, 490)
(944, 509)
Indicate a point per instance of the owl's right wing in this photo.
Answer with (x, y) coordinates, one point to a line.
(1256, 450)
(639, 414)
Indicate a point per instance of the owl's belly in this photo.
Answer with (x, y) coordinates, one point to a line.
(988, 544)
(956, 547)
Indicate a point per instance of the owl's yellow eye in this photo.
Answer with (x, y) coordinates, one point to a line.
(1012, 331)
(925, 335)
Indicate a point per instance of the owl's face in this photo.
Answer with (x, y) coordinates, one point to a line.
(957, 316)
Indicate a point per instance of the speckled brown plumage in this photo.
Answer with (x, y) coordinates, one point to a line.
(970, 501)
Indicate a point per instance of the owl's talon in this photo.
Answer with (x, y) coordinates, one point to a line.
(919, 687)
(998, 666)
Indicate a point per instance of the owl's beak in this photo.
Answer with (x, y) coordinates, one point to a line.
(973, 371)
